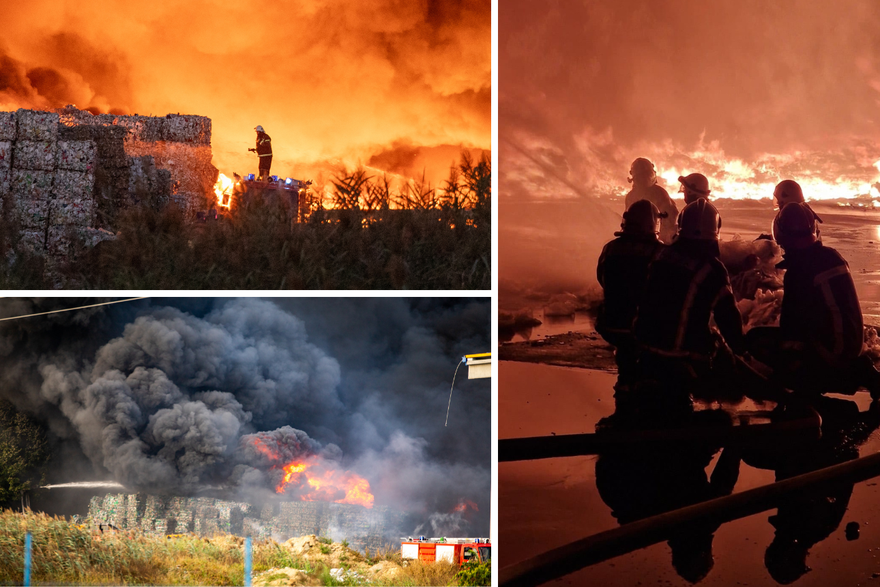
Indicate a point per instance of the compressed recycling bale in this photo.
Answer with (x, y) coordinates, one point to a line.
(31, 191)
(8, 125)
(91, 237)
(38, 155)
(143, 128)
(188, 129)
(77, 155)
(37, 126)
(5, 154)
(5, 182)
(34, 242)
(210, 527)
(73, 203)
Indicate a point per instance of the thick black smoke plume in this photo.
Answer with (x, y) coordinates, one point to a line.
(220, 394)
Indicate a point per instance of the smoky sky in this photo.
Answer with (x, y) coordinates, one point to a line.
(176, 396)
(330, 80)
(758, 77)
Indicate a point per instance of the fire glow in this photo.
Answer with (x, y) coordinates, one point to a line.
(417, 74)
(846, 175)
(464, 504)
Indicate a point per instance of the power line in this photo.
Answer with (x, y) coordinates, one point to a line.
(72, 309)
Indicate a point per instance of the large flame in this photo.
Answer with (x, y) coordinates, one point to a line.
(326, 483)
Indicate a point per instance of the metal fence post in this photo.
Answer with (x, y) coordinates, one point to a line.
(27, 559)
(247, 562)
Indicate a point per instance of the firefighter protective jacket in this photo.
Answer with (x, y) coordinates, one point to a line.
(264, 145)
(686, 286)
(820, 307)
(622, 270)
(660, 198)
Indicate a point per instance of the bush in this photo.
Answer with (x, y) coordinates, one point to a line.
(475, 573)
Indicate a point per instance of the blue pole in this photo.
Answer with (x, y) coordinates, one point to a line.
(247, 562)
(27, 559)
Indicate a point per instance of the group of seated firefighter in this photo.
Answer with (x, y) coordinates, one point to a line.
(670, 312)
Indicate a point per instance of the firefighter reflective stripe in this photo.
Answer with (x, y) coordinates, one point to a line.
(684, 317)
(676, 354)
(823, 280)
(265, 154)
(825, 276)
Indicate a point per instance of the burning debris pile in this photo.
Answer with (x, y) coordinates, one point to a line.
(151, 514)
(65, 175)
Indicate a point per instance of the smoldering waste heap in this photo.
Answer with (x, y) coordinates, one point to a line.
(364, 528)
(66, 175)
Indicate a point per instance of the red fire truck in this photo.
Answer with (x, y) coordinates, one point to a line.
(454, 550)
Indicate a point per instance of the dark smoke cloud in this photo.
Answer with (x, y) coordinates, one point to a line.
(168, 401)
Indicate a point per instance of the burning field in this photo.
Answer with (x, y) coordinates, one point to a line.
(243, 405)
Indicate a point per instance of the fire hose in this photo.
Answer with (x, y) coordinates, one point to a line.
(599, 547)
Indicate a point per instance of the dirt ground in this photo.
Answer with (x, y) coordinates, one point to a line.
(343, 562)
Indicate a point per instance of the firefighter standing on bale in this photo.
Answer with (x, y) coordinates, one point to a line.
(819, 343)
(622, 269)
(643, 178)
(263, 151)
(688, 285)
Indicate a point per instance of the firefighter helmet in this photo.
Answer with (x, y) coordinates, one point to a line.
(259, 128)
(699, 220)
(694, 186)
(788, 191)
(643, 169)
(796, 226)
(642, 218)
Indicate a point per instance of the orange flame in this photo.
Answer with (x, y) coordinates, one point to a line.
(223, 190)
(357, 489)
(850, 174)
(324, 483)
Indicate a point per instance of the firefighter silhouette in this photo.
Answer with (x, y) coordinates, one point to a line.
(643, 178)
(621, 271)
(264, 152)
(819, 343)
(688, 287)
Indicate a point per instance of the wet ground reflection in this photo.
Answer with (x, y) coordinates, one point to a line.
(544, 504)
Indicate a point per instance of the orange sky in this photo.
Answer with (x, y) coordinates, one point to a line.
(335, 81)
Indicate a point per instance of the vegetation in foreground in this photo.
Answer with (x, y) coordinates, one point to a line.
(65, 553)
(419, 238)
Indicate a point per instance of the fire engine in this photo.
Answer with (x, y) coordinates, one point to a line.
(454, 550)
